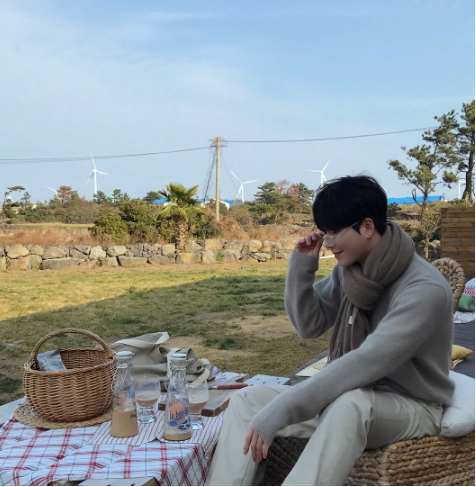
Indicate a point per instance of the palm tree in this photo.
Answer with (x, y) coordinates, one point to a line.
(181, 207)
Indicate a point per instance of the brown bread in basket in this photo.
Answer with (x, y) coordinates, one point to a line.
(79, 393)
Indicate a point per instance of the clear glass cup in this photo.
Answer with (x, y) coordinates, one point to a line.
(198, 396)
(147, 388)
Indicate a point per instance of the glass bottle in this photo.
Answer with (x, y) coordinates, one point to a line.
(177, 426)
(124, 413)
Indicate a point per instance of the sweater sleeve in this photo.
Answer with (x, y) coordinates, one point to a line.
(312, 306)
(409, 322)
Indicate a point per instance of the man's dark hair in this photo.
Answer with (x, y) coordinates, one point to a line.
(340, 203)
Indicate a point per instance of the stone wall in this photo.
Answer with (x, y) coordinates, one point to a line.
(20, 257)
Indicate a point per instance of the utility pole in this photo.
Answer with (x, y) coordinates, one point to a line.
(217, 143)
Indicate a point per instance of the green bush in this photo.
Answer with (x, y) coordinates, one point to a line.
(166, 228)
(261, 208)
(109, 224)
(204, 226)
(139, 219)
(393, 210)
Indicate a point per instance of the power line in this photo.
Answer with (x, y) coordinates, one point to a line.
(323, 139)
(44, 160)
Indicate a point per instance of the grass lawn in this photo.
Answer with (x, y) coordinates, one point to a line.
(232, 314)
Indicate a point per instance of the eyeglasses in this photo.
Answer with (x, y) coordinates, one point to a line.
(329, 241)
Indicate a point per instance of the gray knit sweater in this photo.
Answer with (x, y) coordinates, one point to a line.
(409, 349)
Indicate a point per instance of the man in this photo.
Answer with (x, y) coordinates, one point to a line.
(387, 374)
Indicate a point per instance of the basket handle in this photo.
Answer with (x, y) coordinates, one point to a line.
(79, 331)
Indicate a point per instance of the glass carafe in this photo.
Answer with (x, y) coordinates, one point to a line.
(177, 426)
(124, 413)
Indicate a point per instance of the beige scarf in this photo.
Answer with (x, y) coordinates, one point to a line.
(363, 286)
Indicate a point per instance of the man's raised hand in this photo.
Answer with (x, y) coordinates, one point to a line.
(310, 244)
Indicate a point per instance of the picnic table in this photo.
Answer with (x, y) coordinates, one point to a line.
(166, 464)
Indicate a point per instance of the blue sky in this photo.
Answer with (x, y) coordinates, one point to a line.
(146, 76)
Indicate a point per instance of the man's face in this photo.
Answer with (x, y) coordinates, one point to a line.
(349, 246)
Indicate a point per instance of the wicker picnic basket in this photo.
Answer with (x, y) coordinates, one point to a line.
(81, 392)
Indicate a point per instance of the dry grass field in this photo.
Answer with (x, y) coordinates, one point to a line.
(232, 314)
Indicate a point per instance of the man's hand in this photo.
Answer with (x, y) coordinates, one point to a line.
(259, 449)
(310, 244)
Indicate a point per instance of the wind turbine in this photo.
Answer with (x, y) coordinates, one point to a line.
(323, 178)
(54, 191)
(241, 190)
(93, 175)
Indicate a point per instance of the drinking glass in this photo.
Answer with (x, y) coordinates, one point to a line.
(198, 397)
(147, 388)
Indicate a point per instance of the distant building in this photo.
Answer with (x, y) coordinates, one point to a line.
(227, 203)
(410, 201)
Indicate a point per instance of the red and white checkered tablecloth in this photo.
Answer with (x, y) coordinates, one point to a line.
(33, 456)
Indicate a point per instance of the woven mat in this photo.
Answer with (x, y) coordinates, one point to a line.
(25, 414)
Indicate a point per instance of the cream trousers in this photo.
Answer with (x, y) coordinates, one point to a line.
(358, 419)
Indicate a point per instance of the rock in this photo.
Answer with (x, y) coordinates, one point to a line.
(19, 264)
(137, 249)
(282, 255)
(54, 253)
(262, 256)
(76, 254)
(154, 248)
(268, 246)
(168, 249)
(89, 263)
(53, 264)
(130, 254)
(35, 262)
(3, 263)
(231, 255)
(288, 243)
(188, 258)
(131, 261)
(84, 249)
(29, 246)
(97, 253)
(213, 244)
(234, 245)
(192, 246)
(162, 259)
(207, 257)
(116, 250)
(109, 261)
(419, 247)
(17, 251)
(2, 252)
(252, 246)
(66, 250)
(37, 250)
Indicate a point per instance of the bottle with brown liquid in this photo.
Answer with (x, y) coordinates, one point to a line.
(177, 426)
(124, 413)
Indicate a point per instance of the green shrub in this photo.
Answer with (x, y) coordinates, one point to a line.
(393, 210)
(204, 226)
(139, 219)
(109, 224)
